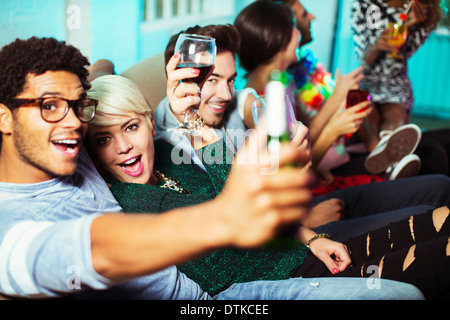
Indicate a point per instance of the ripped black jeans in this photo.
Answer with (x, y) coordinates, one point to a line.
(415, 250)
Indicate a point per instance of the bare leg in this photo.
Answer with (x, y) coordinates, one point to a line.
(393, 115)
(387, 116)
(369, 130)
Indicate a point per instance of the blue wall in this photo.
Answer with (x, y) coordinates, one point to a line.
(115, 31)
(429, 70)
(27, 18)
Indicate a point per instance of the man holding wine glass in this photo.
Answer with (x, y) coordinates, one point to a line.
(214, 98)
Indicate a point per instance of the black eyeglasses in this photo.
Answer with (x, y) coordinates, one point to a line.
(54, 109)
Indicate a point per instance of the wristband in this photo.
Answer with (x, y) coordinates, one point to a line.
(319, 236)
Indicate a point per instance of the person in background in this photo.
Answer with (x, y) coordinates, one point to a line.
(277, 49)
(386, 76)
(315, 87)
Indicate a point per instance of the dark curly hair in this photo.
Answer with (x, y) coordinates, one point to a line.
(37, 56)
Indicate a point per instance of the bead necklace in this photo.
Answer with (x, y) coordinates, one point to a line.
(170, 183)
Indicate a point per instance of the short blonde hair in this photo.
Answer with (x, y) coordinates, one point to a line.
(117, 96)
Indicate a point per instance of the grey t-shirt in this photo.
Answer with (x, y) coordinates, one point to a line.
(45, 248)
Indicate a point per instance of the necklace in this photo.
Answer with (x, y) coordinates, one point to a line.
(170, 183)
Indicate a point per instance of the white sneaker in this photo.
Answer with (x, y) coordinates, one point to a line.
(409, 166)
(392, 147)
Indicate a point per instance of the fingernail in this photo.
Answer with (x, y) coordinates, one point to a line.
(196, 71)
(335, 270)
(176, 55)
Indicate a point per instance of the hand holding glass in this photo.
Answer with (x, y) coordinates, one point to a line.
(398, 32)
(355, 97)
(197, 52)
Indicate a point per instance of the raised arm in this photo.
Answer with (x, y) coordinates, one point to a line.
(246, 214)
(344, 83)
(343, 122)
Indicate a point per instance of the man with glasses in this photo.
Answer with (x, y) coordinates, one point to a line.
(61, 230)
(54, 109)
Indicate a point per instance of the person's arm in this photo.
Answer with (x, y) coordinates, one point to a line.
(333, 254)
(344, 83)
(128, 246)
(324, 115)
(382, 45)
(346, 121)
(246, 214)
(100, 68)
(367, 48)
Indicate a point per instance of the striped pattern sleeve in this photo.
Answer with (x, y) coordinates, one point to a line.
(14, 275)
(36, 259)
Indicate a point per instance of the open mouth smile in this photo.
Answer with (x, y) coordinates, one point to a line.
(67, 146)
(133, 166)
(218, 107)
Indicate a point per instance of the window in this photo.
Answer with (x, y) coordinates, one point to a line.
(157, 10)
(172, 15)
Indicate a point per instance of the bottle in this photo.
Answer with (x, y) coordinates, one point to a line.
(278, 132)
(276, 113)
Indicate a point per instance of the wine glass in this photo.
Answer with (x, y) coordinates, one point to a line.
(258, 108)
(197, 52)
(354, 97)
(399, 33)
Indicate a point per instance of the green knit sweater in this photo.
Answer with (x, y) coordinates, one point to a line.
(219, 269)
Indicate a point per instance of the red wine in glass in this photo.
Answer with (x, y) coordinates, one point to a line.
(353, 98)
(205, 71)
